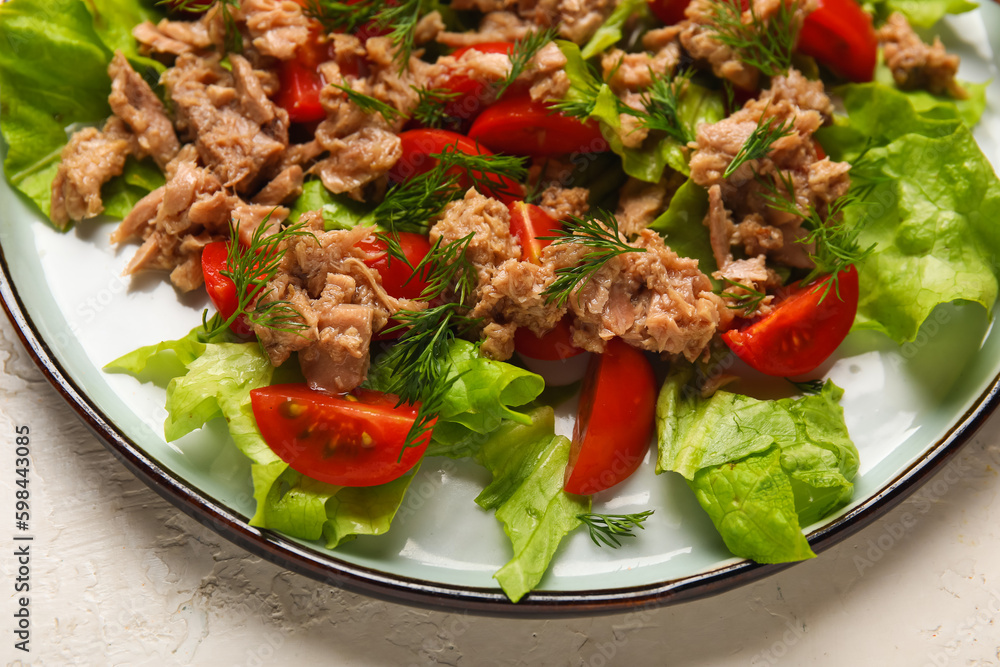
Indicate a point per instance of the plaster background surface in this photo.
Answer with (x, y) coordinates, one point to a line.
(120, 577)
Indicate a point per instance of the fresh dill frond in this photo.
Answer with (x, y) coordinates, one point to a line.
(233, 40)
(432, 107)
(808, 386)
(490, 174)
(760, 141)
(369, 104)
(600, 234)
(420, 370)
(251, 268)
(748, 300)
(409, 206)
(609, 528)
(766, 44)
(523, 51)
(836, 245)
(340, 16)
(401, 20)
(661, 104)
(446, 266)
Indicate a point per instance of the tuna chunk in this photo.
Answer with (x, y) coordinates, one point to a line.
(90, 159)
(915, 64)
(340, 302)
(576, 20)
(277, 27)
(134, 102)
(488, 220)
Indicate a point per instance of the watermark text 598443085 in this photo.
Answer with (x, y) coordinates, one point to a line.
(22, 538)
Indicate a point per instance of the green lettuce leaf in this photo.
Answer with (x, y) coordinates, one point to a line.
(970, 110)
(646, 163)
(290, 502)
(527, 463)
(339, 212)
(610, 32)
(682, 226)
(760, 469)
(113, 23)
(162, 362)
(751, 503)
(53, 72)
(931, 199)
(920, 13)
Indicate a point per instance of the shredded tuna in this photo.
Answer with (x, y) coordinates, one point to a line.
(489, 222)
(743, 278)
(513, 296)
(494, 27)
(277, 27)
(90, 159)
(562, 203)
(340, 303)
(738, 212)
(639, 202)
(576, 20)
(654, 300)
(133, 101)
(915, 64)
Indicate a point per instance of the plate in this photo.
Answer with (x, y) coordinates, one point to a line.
(909, 408)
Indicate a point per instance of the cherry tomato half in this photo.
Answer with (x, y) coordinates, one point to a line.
(397, 278)
(802, 331)
(349, 440)
(521, 126)
(529, 222)
(615, 420)
(839, 34)
(669, 11)
(221, 289)
(419, 145)
(555, 345)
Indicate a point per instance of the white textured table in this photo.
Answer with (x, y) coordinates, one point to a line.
(119, 577)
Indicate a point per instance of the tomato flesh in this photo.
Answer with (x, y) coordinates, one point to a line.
(418, 147)
(840, 35)
(615, 420)
(554, 345)
(530, 224)
(669, 11)
(802, 331)
(398, 279)
(349, 440)
(521, 126)
(221, 289)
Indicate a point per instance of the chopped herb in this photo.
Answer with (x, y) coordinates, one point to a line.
(760, 141)
(608, 528)
(748, 301)
(661, 102)
(808, 386)
(600, 233)
(447, 266)
(369, 104)
(766, 44)
(233, 39)
(432, 107)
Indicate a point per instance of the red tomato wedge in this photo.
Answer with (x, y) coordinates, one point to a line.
(472, 94)
(615, 420)
(669, 11)
(802, 331)
(555, 345)
(419, 145)
(521, 126)
(299, 92)
(349, 440)
(529, 222)
(221, 289)
(397, 278)
(839, 34)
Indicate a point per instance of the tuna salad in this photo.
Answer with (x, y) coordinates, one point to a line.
(417, 221)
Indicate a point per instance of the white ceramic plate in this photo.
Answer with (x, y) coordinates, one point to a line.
(908, 408)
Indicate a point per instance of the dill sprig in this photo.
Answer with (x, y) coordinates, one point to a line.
(609, 528)
(369, 104)
(418, 361)
(431, 109)
(233, 40)
(402, 20)
(600, 234)
(251, 268)
(760, 141)
(748, 301)
(661, 104)
(409, 206)
(446, 266)
(808, 386)
(836, 245)
(520, 55)
(490, 174)
(766, 44)
(340, 16)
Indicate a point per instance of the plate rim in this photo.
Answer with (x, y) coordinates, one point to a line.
(327, 568)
